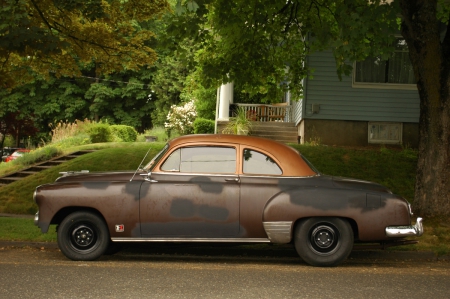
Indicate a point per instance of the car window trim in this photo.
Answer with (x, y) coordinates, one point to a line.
(262, 151)
(180, 146)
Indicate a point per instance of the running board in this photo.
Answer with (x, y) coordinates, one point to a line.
(194, 240)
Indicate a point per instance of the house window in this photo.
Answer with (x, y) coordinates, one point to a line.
(385, 133)
(396, 72)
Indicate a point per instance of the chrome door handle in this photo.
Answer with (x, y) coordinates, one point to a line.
(150, 180)
(232, 180)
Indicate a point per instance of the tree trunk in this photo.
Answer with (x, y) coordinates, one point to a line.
(429, 57)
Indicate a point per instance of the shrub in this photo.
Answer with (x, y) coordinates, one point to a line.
(122, 133)
(39, 155)
(240, 124)
(203, 126)
(181, 118)
(100, 133)
(80, 139)
(63, 130)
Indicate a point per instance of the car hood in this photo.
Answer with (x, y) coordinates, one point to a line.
(99, 176)
(349, 183)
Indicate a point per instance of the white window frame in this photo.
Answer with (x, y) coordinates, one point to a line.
(391, 126)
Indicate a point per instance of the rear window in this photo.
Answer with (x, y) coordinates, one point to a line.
(255, 162)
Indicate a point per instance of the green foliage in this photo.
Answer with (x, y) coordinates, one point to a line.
(239, 124)
(159, 132)
(261, 44)
(63, 130)
(9, 141)
(23, 229)
(395, 169)
(181, 118)
(33, 157)
(203, 126)
(100, 133)
(122, 133)
(17, 197)
(59, 37)
(38, 155)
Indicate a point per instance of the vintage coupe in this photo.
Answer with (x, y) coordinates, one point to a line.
(223, 188)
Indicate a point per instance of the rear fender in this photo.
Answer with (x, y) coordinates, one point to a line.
(369, 214)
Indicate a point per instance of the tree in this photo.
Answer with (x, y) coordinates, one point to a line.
(262, 43)
(429, 56)
(16, 125)
(60, 37)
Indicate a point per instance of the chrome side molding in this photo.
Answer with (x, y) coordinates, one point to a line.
(193, 240)
(406, 231)
(278, 231)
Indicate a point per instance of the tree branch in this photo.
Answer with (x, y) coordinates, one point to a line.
(42, 16)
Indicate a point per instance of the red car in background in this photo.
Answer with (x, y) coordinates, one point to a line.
(18, 153)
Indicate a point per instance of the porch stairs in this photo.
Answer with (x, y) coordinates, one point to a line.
(285, 132)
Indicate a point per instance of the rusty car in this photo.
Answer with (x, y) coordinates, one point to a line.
(223, 188)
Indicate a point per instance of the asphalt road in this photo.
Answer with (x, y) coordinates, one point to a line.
(217, 272)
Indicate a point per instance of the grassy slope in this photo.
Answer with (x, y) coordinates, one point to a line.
(17, 198)
(392, 168)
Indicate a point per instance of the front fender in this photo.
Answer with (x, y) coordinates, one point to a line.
(117, 202)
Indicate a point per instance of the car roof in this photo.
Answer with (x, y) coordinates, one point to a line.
(287, 156)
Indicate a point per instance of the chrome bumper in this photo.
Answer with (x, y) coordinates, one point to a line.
(405, 231)
(36, 218)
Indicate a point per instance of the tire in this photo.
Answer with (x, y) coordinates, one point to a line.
(323, 242)
(83, 236)
(113, 248)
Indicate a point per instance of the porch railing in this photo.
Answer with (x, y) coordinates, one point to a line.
(264, 113)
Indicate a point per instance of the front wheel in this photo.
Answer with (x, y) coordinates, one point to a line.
(323, 242)
(83, 236)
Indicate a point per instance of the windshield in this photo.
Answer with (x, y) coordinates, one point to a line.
(155, 159)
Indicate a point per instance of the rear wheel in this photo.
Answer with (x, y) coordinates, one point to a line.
(323, 242)
(83, 236)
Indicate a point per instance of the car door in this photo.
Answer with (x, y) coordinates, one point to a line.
(260, 181)
(194, 193)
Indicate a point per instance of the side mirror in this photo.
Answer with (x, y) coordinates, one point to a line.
(148, 177)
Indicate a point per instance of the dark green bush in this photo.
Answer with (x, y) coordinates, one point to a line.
(122, 133)
(100, 133)
(203, 126)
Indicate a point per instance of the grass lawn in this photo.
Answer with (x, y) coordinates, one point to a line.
(17, 197)
(393, 168)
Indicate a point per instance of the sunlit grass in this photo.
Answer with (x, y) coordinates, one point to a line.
(21, 229)
(17, 197)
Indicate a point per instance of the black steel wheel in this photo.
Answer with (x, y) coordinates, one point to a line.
(83, 236)
(323, 241)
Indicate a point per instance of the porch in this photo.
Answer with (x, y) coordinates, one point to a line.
(281, 112)
(269, 121)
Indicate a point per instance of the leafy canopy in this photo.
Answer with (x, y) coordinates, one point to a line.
(263, 42)
(59, 36)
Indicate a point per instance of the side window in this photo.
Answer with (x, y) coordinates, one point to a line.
(202, 159)
(173, 162)
(257, 163)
